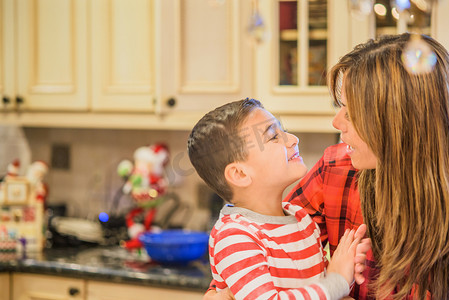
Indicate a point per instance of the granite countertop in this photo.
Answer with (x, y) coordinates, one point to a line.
(112, 264)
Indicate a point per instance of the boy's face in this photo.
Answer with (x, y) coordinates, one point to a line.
(273, 156)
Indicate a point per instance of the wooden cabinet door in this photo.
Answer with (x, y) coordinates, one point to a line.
(113, 291)
(4, 286)
(51, 54)
(44, 287)
(440, 22)
(285, 76)
(7, 92)
(206, 60)
(305, 39)
(124, 53)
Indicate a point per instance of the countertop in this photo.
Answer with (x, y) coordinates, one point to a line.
(111, 264)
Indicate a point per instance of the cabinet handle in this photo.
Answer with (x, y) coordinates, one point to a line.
(73, 291)
(171, 102)
(6, 100)
(19, 100)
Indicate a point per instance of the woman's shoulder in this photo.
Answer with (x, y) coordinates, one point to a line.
(336, 156)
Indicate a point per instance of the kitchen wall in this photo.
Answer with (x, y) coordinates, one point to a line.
(89, 184)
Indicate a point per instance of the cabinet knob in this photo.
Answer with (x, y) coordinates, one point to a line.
(171, 102)
(6, 100)
(19, 100)
(73, 291)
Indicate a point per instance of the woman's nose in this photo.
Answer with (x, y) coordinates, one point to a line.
(339, 121)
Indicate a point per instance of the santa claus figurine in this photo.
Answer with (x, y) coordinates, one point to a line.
(145, 178)
(146, 184)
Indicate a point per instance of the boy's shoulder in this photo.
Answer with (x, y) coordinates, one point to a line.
(298, 211)
(230, 216)
(302, 216)
(231, 224)
(235, 220)
(240, 218)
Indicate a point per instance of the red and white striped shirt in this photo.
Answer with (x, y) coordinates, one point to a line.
(271, 257)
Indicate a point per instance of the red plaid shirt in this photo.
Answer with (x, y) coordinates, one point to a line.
(329, 194)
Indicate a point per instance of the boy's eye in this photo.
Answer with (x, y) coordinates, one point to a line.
(274, 137)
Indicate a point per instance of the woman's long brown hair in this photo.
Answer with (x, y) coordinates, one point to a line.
(404, 119)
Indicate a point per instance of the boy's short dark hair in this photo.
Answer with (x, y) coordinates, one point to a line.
(215, 142)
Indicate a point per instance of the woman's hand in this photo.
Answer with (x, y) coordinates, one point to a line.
(360, 259)
(222, 295)
(360, 254)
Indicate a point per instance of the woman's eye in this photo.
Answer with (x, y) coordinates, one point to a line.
(347, 117)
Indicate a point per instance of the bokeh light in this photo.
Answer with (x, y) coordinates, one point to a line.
(103, 217)
(380, 9)
(418, 57)
(401, 4)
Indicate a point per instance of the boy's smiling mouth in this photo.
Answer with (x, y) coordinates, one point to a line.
(296, 155)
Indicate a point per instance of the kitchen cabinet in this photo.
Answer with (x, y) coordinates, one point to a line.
(140, 63)
(306, 39)
(170, 56)
(48, 287)
(206, 60)
(50, 55)
(123, 50)
(43, 287)
(285, 85)
(56, 39)
(6, 53)
(161, 64)
(105, 290)
(4, 286)
(440, 22)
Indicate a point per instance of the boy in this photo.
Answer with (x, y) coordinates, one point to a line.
(260, 247)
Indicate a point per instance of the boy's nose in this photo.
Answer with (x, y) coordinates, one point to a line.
(292, 140)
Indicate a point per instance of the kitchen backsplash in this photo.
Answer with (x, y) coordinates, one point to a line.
(88, 181)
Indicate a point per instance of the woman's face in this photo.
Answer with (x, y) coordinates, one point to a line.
(362, 157)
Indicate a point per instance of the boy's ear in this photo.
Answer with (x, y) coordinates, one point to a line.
(236, 175)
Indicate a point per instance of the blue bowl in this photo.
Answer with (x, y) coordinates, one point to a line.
(175, 246)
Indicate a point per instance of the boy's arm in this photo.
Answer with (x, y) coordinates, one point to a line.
(241, 261)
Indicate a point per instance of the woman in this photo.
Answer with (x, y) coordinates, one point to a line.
(396, 126)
